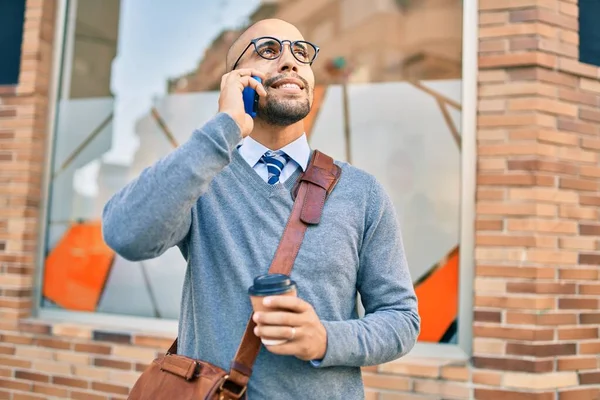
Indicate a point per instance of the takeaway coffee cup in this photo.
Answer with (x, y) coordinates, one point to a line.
(270, 285)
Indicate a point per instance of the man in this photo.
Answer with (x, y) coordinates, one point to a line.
(226, 207)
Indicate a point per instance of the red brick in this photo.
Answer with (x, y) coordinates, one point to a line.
(579, 97)
(64, 381)
(541, 350)
(573, 125)
(556, 318)
(543, 105)
(577, 304)
(108, 363)
(513, 333)
(592, 144)
(37, 328)
(514, 272)
(577, 333)
(539, 165)
(589, 318)
(14, 362)
(589, 348)
(589, 378)
(387, 382)
(589, 229)
(589, 115)
(544, 15)
(577, 68)
(488, 225)
(77, 395)
(589, 200)
(513, 364)
(487, 316)
(579, 184)
(498, 394)
(140, 367)
(505, 241)
(576, 363)
(579, 394)
(13, 384)
(492, 46)
(589, 259)
(545, 288)
(53, 343)
(105, 387)
(22, 396)
(513, 179)
(518, 59)
(152, 341)
(32, 376)
(50, 390)
(92, 348)
(589, 289)
(490, 194)
(7, 134)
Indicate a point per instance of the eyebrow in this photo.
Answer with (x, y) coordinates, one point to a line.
(301, 45)
(268, 43)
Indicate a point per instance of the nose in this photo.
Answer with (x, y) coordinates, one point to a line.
(287, 62)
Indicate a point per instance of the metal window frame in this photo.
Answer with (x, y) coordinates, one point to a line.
(63, 45)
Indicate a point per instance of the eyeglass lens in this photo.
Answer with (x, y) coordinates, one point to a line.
(271, 49)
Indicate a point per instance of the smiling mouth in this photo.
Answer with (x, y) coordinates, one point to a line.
(291, 86)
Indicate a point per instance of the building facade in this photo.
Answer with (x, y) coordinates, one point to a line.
(485, 116)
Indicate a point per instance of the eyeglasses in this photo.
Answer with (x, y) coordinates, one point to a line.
(271, 48)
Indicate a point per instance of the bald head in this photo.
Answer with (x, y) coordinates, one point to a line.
(267, 27)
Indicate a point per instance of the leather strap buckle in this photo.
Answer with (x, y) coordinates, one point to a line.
(230, 390)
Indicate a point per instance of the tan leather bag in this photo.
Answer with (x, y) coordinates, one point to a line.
(176, 377)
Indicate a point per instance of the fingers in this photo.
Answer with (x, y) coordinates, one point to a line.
(256, 85)
(243, 77)
(277, 332)
(294, 347)
(290, 303)
(278, 318)
(247, 72)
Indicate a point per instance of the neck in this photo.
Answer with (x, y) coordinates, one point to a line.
(276, 137)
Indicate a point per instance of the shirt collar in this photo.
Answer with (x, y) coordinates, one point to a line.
(298, 150)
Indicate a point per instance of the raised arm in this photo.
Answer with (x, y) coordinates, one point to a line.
(153, 212)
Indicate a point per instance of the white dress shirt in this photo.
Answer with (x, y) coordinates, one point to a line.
(298, 150)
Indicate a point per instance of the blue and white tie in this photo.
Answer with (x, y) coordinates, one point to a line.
(275, 161)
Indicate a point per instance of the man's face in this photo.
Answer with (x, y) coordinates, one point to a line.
(289, 83)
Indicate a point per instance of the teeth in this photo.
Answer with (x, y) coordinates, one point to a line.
(290, 85)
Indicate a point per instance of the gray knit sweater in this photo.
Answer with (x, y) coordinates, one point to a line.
(227, 222)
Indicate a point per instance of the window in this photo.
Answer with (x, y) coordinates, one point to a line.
(137, 80)
(589, 32)
(12, 15)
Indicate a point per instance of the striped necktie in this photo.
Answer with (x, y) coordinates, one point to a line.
(275, 161)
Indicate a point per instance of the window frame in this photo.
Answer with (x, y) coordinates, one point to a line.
(62, 57)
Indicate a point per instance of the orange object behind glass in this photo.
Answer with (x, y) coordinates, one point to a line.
(78, 267)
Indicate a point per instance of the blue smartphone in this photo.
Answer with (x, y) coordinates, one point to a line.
(251, 99)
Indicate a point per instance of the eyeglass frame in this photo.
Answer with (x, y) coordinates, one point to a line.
(282, 44)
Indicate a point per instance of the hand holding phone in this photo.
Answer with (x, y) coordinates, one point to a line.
(231, 100)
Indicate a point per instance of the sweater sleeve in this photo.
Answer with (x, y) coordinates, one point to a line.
(153, 212)
(391, 324)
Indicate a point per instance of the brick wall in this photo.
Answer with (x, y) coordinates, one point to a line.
(23, 122)
(537, 248)
(537, 244)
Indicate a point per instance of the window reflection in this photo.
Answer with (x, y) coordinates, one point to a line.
(137, 80)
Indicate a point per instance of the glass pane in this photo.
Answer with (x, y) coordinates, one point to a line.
(139, 79)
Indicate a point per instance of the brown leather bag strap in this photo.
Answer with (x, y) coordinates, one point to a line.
(310, 192)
